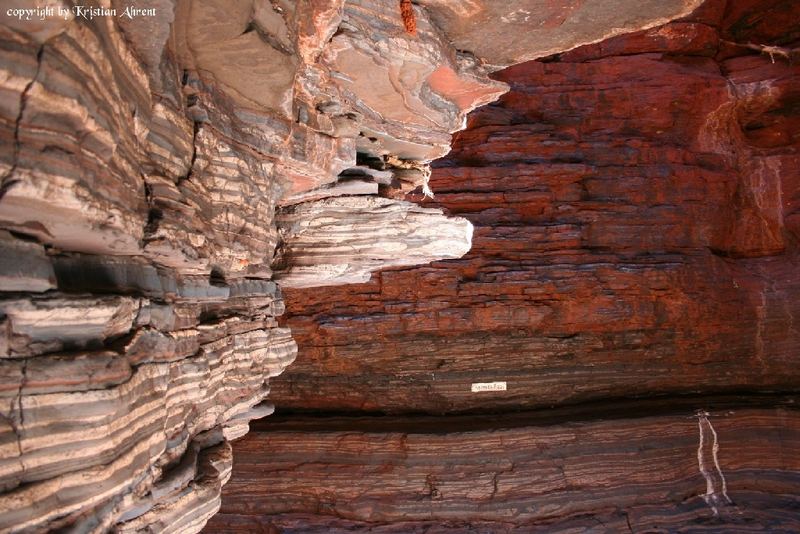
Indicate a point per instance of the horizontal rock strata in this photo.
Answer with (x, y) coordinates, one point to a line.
(635, 234)
(723, 471)
(635, 208)
(138, 200)
(142, 164)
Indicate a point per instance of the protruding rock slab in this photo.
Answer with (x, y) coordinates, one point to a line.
(342, 240)
(411, 90)
(505, 33)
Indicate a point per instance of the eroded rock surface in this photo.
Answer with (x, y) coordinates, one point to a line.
(636, 233)
(506, 33)
(342, 240)
(152, 169)
(635, 205)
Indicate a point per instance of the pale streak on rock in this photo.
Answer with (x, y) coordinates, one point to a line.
(712, 495)
(342, 188)
(701, 417)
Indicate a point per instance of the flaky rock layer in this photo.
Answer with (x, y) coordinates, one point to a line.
(342, 240)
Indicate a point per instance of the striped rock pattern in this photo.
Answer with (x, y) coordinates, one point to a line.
(324, 245)
(152, 169)
(730, 470)
(133, 347)
(622, 246)
(117, 389)
(635, 207)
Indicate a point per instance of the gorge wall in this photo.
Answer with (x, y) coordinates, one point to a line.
(633, 279)
(164, 173)
(636, 217)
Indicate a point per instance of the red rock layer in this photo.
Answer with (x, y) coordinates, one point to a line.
(636, 207)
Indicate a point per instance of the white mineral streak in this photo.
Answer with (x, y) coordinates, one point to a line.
(714, 495)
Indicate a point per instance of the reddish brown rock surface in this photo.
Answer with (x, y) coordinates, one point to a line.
(162, 176)
(636, 224)
(156, 169)
(636, 206)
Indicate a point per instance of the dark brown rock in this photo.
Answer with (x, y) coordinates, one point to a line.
(723, 471)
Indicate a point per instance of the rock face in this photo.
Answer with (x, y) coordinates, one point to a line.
(506, 33)
(635, 234)
(156, 169)
(636, 206)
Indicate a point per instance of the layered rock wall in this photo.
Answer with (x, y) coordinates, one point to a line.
(635, 205)
(732, 470)
(635, 208)
(143, 162)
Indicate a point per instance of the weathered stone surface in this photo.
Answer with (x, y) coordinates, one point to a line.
(142, 162)
(152, 169)
(153, 338)
(244, 47)
(24, 266)
(506, 33)
(127, 423)
(635, 209)
(417, 92)
(635, 234)
(169, 508)
(39, 326)
(349, 187)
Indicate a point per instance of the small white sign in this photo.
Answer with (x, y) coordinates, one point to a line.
(488, 386)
